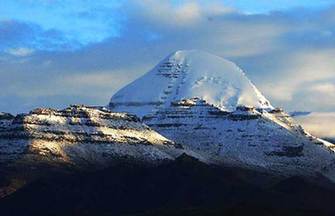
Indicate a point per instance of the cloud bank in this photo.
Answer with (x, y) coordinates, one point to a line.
(319, 124)
(288, 55)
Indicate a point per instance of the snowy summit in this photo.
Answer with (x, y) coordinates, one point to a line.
(189, 74)
(209, 106)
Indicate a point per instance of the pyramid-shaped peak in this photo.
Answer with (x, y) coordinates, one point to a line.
(188, 74)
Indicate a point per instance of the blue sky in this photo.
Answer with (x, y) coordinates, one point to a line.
(57, 52)
(72, 24)
(265, 6)
(64, 24)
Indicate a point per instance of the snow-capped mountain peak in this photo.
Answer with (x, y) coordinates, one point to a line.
(209, 106)
(189, 74)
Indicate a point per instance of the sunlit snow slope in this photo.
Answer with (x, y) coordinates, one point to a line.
(80, 135)
(189, 74)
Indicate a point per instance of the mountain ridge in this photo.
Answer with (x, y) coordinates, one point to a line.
(205, 142)
(81, 135)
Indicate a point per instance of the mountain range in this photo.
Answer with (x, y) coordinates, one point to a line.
(207, 104)
(193, 106)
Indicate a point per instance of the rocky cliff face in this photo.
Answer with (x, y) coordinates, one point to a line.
(246, 137)
(80, 135)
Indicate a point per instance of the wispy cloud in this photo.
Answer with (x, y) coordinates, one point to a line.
(60, 24)
(319, 124)
(20, 51)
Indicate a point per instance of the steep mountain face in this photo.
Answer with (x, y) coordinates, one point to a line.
(209, 106)
(246, 137)
(80, 135)
(188, 74)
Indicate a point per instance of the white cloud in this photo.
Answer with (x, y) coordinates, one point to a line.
(325, 88)
(165, 13)
(20, 52)
(304, 80)
(289, 56)
(319, 124)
